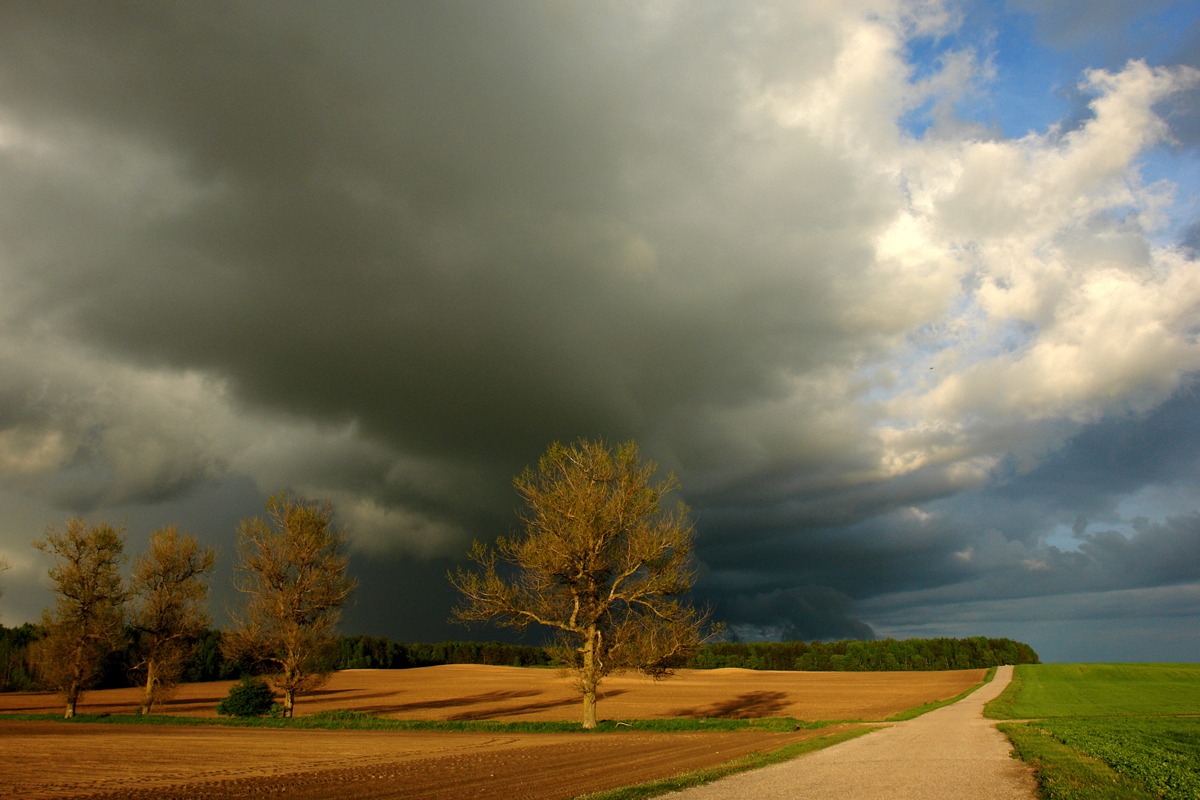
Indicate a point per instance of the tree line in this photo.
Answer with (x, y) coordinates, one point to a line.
(879, 655)
(206, 660)
(154, 626)
(377, 652)
(599, 563)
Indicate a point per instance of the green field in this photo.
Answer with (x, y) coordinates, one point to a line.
(1107, 730)
(1100, 690)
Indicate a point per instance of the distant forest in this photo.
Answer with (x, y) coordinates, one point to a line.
(376, 652)
(879, 655)
(882, 655)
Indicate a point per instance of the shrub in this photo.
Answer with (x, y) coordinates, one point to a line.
(250, 698)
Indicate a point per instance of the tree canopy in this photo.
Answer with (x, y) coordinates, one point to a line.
(292, 573)
(87, 621)
(168, 613)
(598, 562)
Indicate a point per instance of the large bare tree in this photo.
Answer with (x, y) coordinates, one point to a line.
(170, 590)
(598, 562)
(292, 571)
(87, 621)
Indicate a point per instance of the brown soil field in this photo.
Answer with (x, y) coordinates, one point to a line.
(90, 761)
(469, 692)
(51, 760)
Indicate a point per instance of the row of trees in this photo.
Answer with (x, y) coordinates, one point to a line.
(291, 570)
(16, 666)
(377, 652)
(207, 661)
(883, 655)
(598, 562)
(165, 596)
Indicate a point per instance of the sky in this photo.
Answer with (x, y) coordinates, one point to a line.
(906, 294)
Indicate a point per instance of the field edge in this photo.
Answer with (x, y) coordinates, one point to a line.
(687, 780)
(1105, 731)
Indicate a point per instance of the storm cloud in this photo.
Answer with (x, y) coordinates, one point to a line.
(901, 359)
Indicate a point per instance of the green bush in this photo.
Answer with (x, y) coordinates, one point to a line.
(250, 698)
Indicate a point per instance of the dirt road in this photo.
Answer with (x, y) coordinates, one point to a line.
(948, 754)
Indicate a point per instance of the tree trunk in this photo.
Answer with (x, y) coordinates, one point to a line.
(72, 694)
(151, 680)
(589, 708)
(289, 701)
(587, 681)
(74, 682)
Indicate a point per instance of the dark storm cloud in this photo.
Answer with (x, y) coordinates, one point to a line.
(1114, 457)
(410, 229)
(1069, 541)
(990, 543)
(804, 613)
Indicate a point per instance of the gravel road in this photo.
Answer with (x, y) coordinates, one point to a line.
(952, 753)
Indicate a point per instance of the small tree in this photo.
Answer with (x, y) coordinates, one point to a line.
(87, 621)
(170, 589)
(598, 562)
(292, 571)
(250, 698)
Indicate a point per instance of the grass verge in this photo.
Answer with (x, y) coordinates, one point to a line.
(1004, 705)
(1107, 730)
(1161, 754)
(364, 721)
(1064, 773)
(702, 776)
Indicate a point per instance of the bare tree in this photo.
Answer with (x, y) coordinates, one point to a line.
(598, 562)
(292, 571)
(87, 621)
(170, 590)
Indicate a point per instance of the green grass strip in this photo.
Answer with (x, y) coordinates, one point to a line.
(1004, 706)
(1064, 773)
(1161, 753)
(709, 774)
(364, 721)
(1099, 690)
(1107, 730)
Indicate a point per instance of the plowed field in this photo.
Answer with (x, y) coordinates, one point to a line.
(50, 760)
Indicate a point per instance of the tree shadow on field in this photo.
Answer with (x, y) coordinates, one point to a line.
(328, 692)
(527, 708)
(750, 705)
(452, 702)
(352, 696)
